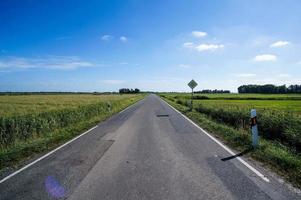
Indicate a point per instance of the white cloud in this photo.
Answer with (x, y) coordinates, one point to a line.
(106, 37)
(284, 75)
(265, 57)
(49, 62)
(123, 39)
(209, 47)
(280, 43)
(112, 82)
(199, 34)
(245, 75)
(203, 47)
(184, 66)
(188, 45)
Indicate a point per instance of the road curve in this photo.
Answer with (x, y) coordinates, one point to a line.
(149, 151)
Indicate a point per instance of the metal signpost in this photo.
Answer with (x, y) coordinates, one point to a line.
(192, 84)
(254, 128)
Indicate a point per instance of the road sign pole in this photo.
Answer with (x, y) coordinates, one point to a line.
(254, 128)
(191, 99)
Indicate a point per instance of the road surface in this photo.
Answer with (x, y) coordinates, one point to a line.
(148, 151)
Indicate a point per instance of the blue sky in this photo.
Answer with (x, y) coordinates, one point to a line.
(103, 45)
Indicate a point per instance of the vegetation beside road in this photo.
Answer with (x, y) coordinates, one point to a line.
(236, 96)
(34, 123)
(279, 129)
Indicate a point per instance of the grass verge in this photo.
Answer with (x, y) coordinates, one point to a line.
(14, 155)
(273, 154)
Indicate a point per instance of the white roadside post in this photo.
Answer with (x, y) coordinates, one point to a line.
(192, 84)
(255, 139)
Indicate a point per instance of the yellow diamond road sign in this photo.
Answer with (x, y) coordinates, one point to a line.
(192, 84)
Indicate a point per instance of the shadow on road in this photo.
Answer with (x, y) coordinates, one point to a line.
(239, 154)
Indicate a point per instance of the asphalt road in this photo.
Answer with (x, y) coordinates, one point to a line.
(148, 151)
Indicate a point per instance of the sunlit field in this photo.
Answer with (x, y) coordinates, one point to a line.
(277, 102)
(28, 104)
(35, 123)
(283, 105)
(279, 116)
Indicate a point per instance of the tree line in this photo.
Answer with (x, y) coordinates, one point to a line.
(128, 91)
(269, 89)
(213, 91)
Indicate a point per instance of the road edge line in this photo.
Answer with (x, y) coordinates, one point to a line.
(222, 145)
(56, 149)
(46, 155)
(130, 106)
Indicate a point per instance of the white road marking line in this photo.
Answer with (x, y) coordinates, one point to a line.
(51, 152)
(127, 108)
(223, 146)
(46, 155)
(131, 106)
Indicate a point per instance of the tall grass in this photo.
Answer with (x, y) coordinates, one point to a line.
(274, 125)
(18, 105)
(283, 126)
(23, 135)
(33, 125)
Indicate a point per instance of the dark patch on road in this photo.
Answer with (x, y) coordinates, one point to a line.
(163, 115)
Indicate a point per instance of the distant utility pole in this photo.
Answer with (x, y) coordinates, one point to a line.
(192, 84)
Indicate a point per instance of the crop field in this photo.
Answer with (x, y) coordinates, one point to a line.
(32, 123)
(280, 105)
(290, 103)
(28, 104)
(286, 103)
(232, 96)
(228, 117)
(237, 96)
(279, 116)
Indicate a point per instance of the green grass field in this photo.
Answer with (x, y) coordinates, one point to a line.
(277, 102)
(278, 119)
(31, 124)
(242, 96)
(27, 104)
(227, 116)
(281, 105)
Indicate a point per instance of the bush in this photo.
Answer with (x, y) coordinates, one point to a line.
(200, 97)
(274, 125)
(33, 125)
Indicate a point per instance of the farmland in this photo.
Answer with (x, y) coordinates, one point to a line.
(34, 123)
(16, 105)
(287, 105)
(227, 116)
(279, 115)
(251, 96)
